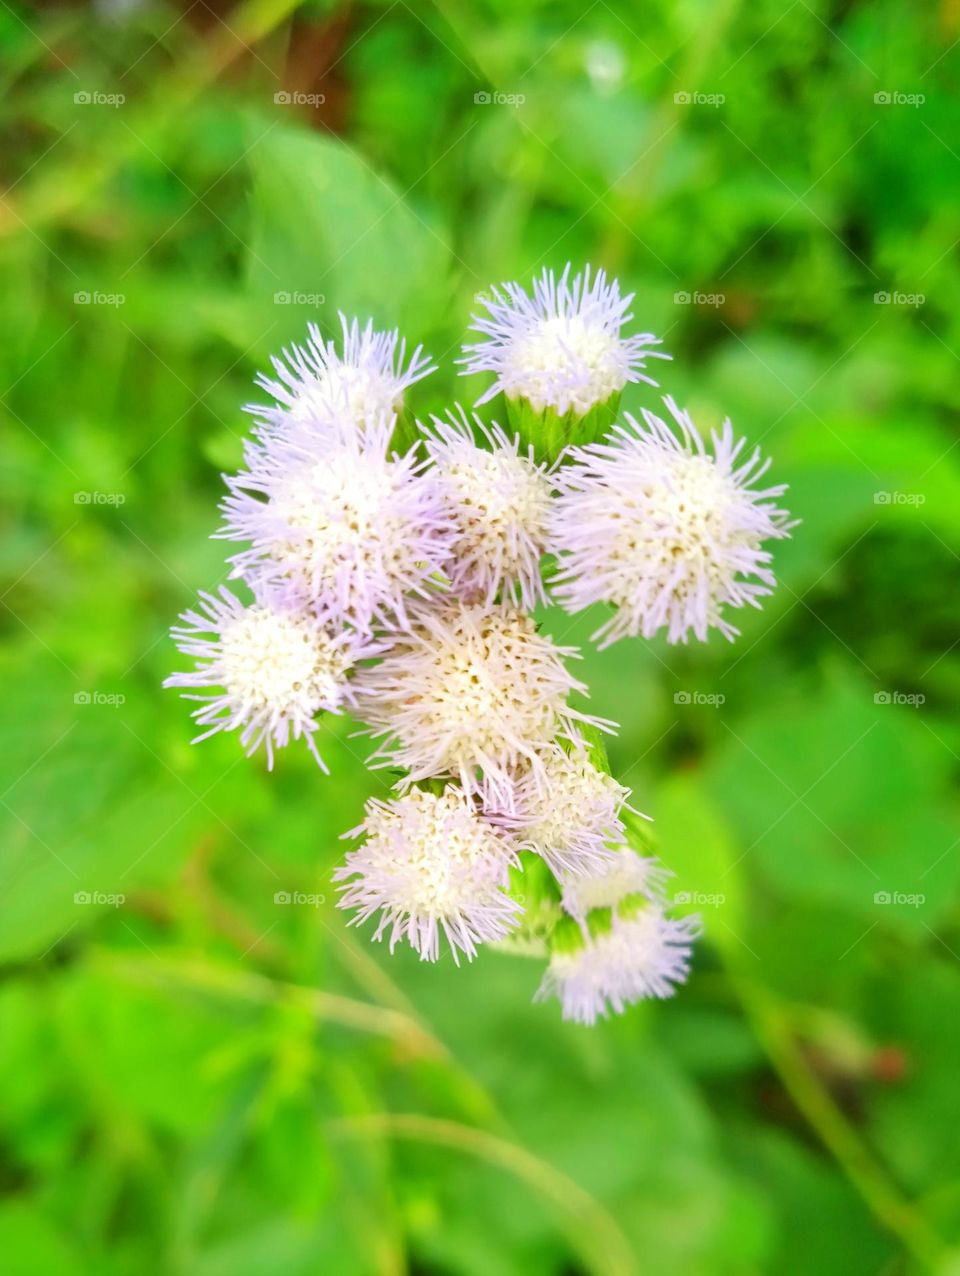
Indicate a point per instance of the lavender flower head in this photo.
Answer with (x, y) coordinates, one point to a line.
(618, 876)
(360, 384)
(567, 811)
(665, 530)
(340, 519)
(498, 500)
(429, 864)
(470, 692)
(560, 348)
(644, 955)
(268, 670)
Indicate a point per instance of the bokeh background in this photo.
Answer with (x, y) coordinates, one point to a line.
(202, 1071)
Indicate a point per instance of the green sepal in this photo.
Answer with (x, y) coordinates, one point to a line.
(550, 433)
(567, 937)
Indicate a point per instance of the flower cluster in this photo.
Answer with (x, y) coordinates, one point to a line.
(397, 584)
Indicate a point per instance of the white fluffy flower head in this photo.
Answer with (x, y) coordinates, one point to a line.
(567, 810)
(470, 692)
(644, 955)
(498, 500)
(619, 875)
(430, 864)
(277, 668)
(345, 523)
(560, 348)
(360, 383)
(667, 533)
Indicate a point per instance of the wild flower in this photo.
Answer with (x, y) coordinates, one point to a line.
(429, 865)
(562, 347)
(397, 585)
(666, 531)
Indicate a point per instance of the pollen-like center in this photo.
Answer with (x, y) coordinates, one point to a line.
(364, 394)
(497, 496)
(341, 511)
(673, 524)
(573, 795)
(437, 852)
(488, 687)
(565, 357)
(281, 663)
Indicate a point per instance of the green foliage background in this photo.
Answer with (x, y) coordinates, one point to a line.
(199, 1080)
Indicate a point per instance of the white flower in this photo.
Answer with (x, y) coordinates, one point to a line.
(362, 384)
(664, 531)
(566, 810)
(467, 692)
(277, 668)
(347, 525)
(430, 863)
(498, 500)
(560, 348)
(645, 955)
(621, 874)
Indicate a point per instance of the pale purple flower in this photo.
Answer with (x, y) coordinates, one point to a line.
(498, 499)
(666, 531)
(607, 884)
(643, 955)
(567, 810)
(429, 864)
(470, 692)
(340, 519)
(267, 670)
(560, 348)
(361, 383)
